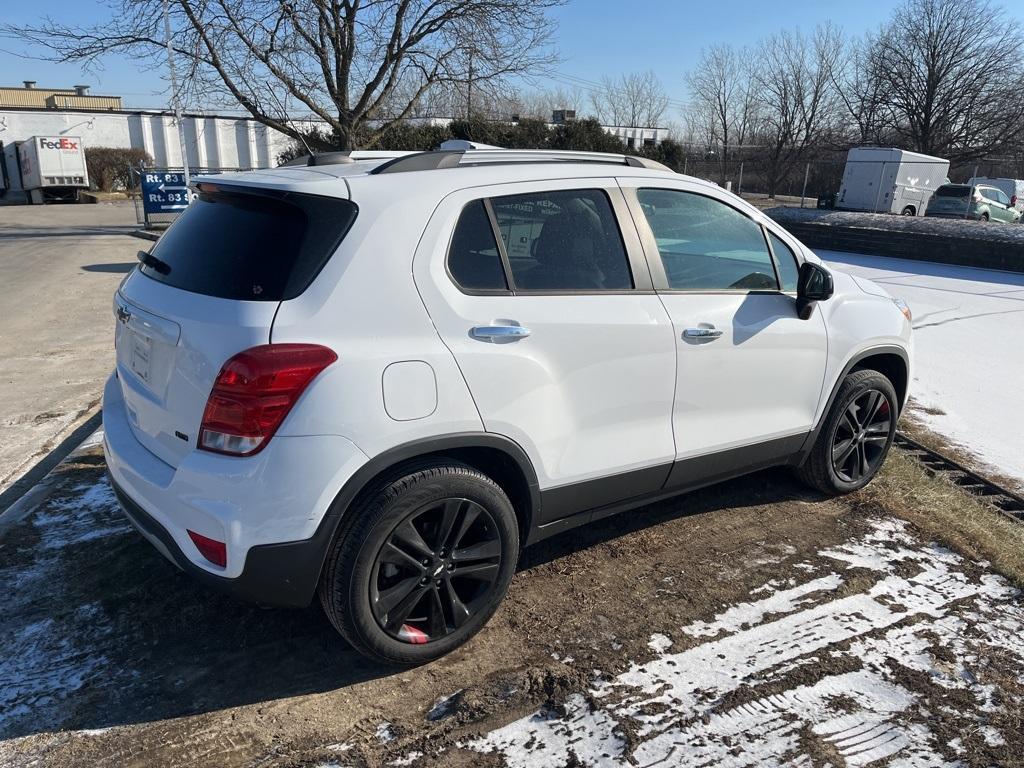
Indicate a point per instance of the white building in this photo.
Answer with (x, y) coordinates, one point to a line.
(217, 142)
(214, 142)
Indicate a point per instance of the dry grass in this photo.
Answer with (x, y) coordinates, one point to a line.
(945, 512)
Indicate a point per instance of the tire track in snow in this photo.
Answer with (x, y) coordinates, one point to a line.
(894, 621)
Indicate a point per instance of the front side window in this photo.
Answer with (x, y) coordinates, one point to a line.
(562, 241)
(785, 260)
(706, 245)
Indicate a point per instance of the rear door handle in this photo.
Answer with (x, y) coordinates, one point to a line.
(499, 332)
(701, 333)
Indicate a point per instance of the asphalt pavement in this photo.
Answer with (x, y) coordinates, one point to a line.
(59, 268)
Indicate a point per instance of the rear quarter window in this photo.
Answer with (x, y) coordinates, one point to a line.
(251, 245)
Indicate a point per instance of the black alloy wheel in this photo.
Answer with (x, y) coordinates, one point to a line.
(861, 438)
(855, 437)
(435, 570)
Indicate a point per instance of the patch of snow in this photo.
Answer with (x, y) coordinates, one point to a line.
(744, 614)
(674, 703)
(546, 740)
(385, 732)
(659, 643)
(409, 759)
(992, 737)
(47, 657)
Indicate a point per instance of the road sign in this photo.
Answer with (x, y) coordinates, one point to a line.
(164, 191)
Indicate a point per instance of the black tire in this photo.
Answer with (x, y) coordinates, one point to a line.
(908, 211)
(830, 468)
(368, 568)
(983, 217)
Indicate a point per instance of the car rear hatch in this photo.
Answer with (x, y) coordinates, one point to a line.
(950, 199)
(209, 289)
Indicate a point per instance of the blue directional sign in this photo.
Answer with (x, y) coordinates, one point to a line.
(164, 191)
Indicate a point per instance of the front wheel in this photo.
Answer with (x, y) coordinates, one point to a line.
(856, 437)
(423, 563)
(908, 211)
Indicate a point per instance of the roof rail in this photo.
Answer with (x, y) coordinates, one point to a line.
(429, 161)
(342, 157)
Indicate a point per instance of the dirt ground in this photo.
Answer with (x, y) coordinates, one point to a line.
(110, 657)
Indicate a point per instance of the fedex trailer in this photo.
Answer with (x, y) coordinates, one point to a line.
(890, 181)
(51, 168)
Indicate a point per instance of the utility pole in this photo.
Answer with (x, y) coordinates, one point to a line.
(469, 88)
(176, 98)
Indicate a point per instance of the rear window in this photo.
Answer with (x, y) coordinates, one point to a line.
(252, 245)
(953, 190)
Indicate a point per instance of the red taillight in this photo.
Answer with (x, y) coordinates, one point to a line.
(1013, 199)
(253, 393)
(211, 549)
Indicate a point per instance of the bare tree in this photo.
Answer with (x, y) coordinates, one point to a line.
(724, 100)
(636, 100)
(862, 92)
(796, 97)
(540, 104)
(951, 75)
(358, 65)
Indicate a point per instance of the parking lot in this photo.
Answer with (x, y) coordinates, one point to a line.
(59, 266)
(778, 627)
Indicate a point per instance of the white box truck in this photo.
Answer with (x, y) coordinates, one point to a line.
(890, 181)
(52, 167)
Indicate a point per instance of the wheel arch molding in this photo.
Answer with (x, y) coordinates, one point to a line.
(890, 360)
(498, 457)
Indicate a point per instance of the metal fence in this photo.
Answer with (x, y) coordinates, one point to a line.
(808, 179)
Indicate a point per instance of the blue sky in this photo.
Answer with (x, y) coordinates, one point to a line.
(594, 37)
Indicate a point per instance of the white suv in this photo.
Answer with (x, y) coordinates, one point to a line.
(375, 380)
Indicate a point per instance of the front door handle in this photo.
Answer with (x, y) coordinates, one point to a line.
(701, 333)
(499, 332)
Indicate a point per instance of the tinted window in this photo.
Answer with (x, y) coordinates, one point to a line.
(786, 262)
(705, 244)
(1001, 197)
(251, 246)
(989, 193)
(473, 257)
(563, 241)
(953, 190)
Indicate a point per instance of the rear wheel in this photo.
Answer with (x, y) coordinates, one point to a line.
(983, 217)
(423, 564)
(908, 211)
(856, 436)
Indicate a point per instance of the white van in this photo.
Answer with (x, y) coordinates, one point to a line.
(1012, 188)
(890, 181)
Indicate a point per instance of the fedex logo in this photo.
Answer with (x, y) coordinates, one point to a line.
(62, 143)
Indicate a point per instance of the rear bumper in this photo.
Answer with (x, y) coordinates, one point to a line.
(267, 508)
(281, 575)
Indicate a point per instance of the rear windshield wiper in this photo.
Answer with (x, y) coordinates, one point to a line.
(151, 261)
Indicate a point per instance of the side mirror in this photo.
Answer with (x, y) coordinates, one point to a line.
(814, 284)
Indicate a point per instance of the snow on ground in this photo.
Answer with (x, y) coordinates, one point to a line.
(968, 350)
(918, 613)
(47, 659)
